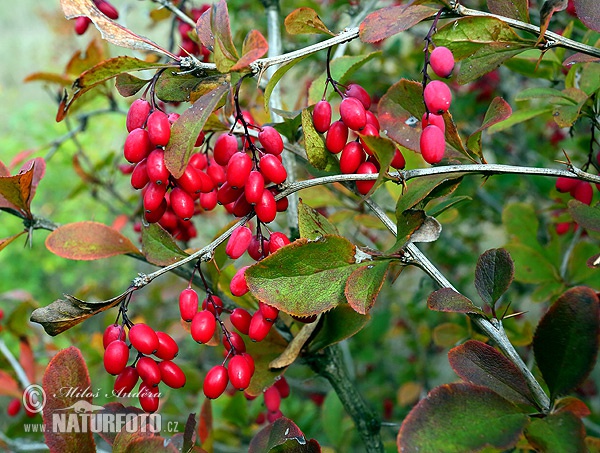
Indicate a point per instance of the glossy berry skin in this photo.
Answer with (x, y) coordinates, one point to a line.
(321, 116)
(234, 340)
(356, 91)
(156, 214)
(240, 318)
(259, 327)
(352, 156)
(171, 374)
(213, 303)
(225, 147)
(81, 25)
(272, 169)
(227, 194)
(154, 195)
(167, 347)
(126, 381)
(565, 185)
(159, 128)
(366, 168)
(182, 203)
(116, 357)
(112, 333)
(208, 201)
(398, 160)
(203, 326)
(215, 382)
(372, 120)
(13, 408)
(272, 399)
(277, 240)
(370, 131)
(583, 192)
(268, 311)
(194, 181)
(188, 304)
(353, 113)
(139, 176)
(156, 167)
(137, 145)
(239, 372)
(254, 187)
(238, 242)
(238, 169)
(337, 136)
(258, 248)
(266, 208)
(149, 397)
(137, 114)
(432, 118)
(437, 97)
(143, 338)
(441, 60)
(271, 140)
(433, 144)
(282, 386)
(216, 172)
(250, 361)
(148, 371)
(238, 285)
(107, 9)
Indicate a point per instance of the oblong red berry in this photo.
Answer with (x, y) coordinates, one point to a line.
(157, 214)
(565, 185)
(182, 203)
(356, 91)
(159, 128)
(116, 357)
(337, 136)
(139, 176)
(192, 182)
(13, 408)
(259, 327)
(112, 333)
(188, 304)
(125, 381)
(398, 160)
(254, 187)
(216, 172)
(437, 97)
(167, 346)
(269, 312)
(215, 382)
(238, 285)
(432, 118)
(282, 385)
(266, 208)
(208, 201)
(366, 168)
(143, 338)
(441, 60)
(321, 116)
(156, 167)
(241, 207)
(583, 192)
(270, 140)
(272, 169)
(433, 144)
(228, 194)
(234, 340)
(203, 326)
(154, 196)
(238, 169)
(137, 145)
(213, 303)
(81, 24)
(171, 374)
(353, 113)
(370, 131)
(272, 399)
(148, 371)
(277, 240)
(258, 248)
(240, 318)
(225, 147)
(137, 114)
(238, 242)
(107, 9)
(149, 397)
(239, 373)
(352, 156)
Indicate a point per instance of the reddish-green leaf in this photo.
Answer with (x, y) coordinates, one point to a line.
(205, 36)
(128, 85)
(364, 284)
(493, 275)
(314, 144)
(312, 224)
(277, 433)
(588, 12)
(586, 216)
(88, 241)
(383, 149)
(557, 433)
(6, 241)
(481, 364)
(135, 430)
(305, 21)
(448, 300)
(386, 22)
(461, 418)
(116, 409)
(498, 110)
(174, 87)
(9, 386)
(515, 9)
(225, 53)
(205, 421)
(336, 325)
(566, 340)
(159, 247)
(573, 405)
(16, 191)
(254, 47)
(67, 370)
(263, 354)
(186, 129)
(154, 444)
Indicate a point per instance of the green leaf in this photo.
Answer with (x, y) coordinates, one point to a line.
(460, 418)
(67, 370)
(312, 224)
(305, 277)
(497, 111)
(518, 117)
(305, 21)
(586, 216)
(557, 433)
(448, 300)
(515, 9)
(421, 190)
(254, 47)
(383, 149)
(531, 266)
(275, 78)
(407, 223)
(493, 275)
(88, 241)
(386, 22)
(264, 353)
(128, 85)
(159, 247)
(565, 343)
(550, 94)
(484, 43)
(186, 129)
(364, 284)
(336, 325)
(174, 87)
(314, 144)
(448, 334)
(481, 364)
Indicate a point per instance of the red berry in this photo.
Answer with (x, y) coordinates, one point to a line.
(195, 181)
(272, 169)
(352, 156)
(139, 176)
(258, 249)
(266, 208)
(137, 114)
(250, 361)
(282, 204)
(259, 327)
(143, 338)
(366, 168)
(159, 128)
(137, 145)
(369, 131)
(372, 120)
(149, 397)
(198, 160)
(433, 144)
(566, 184)
(234, 340)
(337, 136)
(282, 385)
(321, 116)
(156, 168)
(112, 333)
(157, 214)
(238, 242)
(353, 113)
(398, 160)
(583, 192)
(148, 371)
(81, 25)
(254, 187)
(273, 416)
(216, 172)
(215, 382)
(268, 311)
(239, 372)
(13, 407)
(238, 169)
(188, 304)
(241, 207)
(238, 285)
(200, 139)
(171, 374)
(437, 97)
(208, 200)
(167, 347)
(272, 399)
(228, 194)
(203, 326)
(563, 227)
(107, 9)
(358, 92)
(116, 357)
(154, 196)
(276, 241)
(126, 381)
(240, 318)
(182, 203)
(213, 303)
(225, 147)
(442, 61)
(432, 118)
(270, 140)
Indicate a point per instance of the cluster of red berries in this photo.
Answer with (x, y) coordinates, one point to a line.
(272, 397)
(82, 23)
(147, 342)
(437, 97)
(188, 46)
(580, 190)
(355, 116)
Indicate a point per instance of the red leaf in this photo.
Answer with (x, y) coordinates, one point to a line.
(277, 433)
(203, 30)
(88, 241)
(389, 21)
(205, 425)
(116, 408)
(588, 12)
(254, 47)
(6, 241)
(9, 385)
(572, 404)
(27, 360)
(16, 191)
(448, 300)
(67, 371)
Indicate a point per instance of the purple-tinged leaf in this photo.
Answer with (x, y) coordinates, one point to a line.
(586, 216)
(588, 11)
(203, 30)
(493, 275)
(580, 58)
(515, 9)
(565, 343)
(573, 405)
(563, 432)
(386, 22)
(6, 241)
(254, 47)
(481, 364)
(461, 417)
(115, 409)
(448, 300)
(278, 433)
(499, 110)
(225, 53)
(363, 285)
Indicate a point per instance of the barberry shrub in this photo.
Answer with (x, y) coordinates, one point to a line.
(300, 234)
